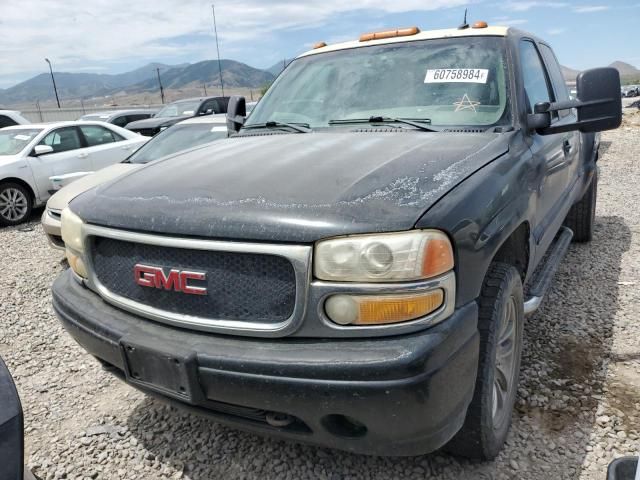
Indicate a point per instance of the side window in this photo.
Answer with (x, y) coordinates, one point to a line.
(63, 140)
(121, 121)
(6, 121)
(97, 135)
(135, 118)
(557, 79)
(208, 107)
(533, 72)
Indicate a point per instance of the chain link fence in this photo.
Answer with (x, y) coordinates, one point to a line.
(38, 114)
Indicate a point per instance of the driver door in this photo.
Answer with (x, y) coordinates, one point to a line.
(69, 155)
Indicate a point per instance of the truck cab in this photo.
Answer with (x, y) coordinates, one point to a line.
(352, 268)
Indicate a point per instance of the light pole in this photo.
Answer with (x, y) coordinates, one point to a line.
(54, 81)
(160, 83)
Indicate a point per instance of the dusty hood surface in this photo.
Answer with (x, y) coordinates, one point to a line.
(292, 187)
(61, 199)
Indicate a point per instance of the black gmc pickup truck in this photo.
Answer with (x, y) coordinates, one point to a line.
(353, 267)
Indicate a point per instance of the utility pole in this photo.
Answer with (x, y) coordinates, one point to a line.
(54, 81)
(160, 83)
(204, 85)
(215, 30)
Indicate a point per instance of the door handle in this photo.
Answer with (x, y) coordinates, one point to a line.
(566, 147)
(83, 155)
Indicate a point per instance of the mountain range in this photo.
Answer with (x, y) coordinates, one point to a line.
(144, 79)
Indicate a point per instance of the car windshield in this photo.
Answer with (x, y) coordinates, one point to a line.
(13, 141)
(178, 109)
(178, 138)
(453, 81)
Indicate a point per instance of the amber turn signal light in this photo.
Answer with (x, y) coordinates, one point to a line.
(437, 257)
(400, 32)
(382, 309)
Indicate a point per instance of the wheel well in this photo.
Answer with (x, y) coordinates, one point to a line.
(515, 250)
(21, 183)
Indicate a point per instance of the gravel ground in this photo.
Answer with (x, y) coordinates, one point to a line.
(578, 404)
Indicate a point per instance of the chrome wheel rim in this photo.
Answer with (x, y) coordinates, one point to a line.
(13, 204)
(503, 379)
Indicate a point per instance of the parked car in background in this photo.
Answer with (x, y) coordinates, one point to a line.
(630, 91)
(31, 154)
(11, 117)
(120, 117)
(185, 135)
(178, 111)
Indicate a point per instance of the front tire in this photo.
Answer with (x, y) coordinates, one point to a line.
(582, 216)
(16, 203)
(500, 324)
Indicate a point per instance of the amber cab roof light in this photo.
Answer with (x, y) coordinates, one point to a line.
(400, 32)
(319, 45)
(480, 24)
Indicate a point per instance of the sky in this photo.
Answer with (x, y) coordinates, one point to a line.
(114, 36)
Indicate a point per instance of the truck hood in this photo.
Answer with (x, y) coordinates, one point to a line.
(154, 122)
(293, 187)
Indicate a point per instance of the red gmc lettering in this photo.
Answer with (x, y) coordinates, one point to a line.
(176, 280)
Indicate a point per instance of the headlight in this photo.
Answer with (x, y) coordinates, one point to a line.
(71, 227)
(402, 256)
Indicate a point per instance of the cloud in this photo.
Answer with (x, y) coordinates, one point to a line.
(509, 22)
(77, 34)
(525, 6)
(591, 8)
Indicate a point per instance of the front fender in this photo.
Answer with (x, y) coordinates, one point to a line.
(484, 210)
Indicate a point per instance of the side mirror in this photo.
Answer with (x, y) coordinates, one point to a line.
(236, 113)
(42, 150)
(599, 105)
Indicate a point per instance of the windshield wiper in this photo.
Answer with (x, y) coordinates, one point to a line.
(414, 122)
(298, 127)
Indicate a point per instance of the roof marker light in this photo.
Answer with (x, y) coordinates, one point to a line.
(480, 24)
(319, 45)
(400, 32)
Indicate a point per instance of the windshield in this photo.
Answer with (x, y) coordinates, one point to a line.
(454, 81)
(178, 138)
(178, 109)
(15, 140)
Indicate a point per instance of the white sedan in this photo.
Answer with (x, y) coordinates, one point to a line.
(31, 154)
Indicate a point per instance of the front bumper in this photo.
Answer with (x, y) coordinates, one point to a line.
(52, 229)
(401, 395)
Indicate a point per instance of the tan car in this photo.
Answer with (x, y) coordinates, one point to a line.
(58, 201)
(185, 135)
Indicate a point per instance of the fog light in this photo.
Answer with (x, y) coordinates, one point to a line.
(382, 309)
(76, 264)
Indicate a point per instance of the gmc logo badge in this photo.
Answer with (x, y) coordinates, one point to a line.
(176, 280)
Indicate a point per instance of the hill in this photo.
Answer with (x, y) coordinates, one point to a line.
(569, 74)
(278, 67)
(234, 74)
(75, 85)
(628, 73)
(88, 85)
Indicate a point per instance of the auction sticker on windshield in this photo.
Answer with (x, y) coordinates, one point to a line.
(457, 75)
